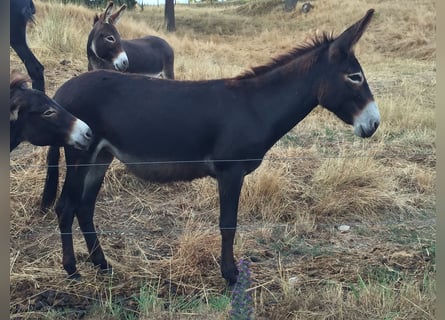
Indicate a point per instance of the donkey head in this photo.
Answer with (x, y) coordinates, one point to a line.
(344, 90)
(104, 46)
(36, 118)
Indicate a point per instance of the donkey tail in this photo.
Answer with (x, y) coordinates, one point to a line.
(52, 178)
(169, 61)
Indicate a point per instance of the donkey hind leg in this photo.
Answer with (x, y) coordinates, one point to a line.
(65, 209)
(229, 186)
(34, 68)
(93, 181)
(168, 68)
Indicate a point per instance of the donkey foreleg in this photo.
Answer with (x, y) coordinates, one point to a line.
(229, 186)
(85, 214)
(65, 215)
(86, 224)
(67, 205)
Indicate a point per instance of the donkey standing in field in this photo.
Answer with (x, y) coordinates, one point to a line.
(167, 131)
(20, 13)
(37, 118)
(151, 55)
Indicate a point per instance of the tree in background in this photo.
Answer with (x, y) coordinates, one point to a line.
(169, 15)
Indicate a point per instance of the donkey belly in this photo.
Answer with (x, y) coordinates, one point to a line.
(156, 171)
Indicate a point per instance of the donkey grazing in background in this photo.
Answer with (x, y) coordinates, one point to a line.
(167, 131)
(151, 55)
(20, 13)
(36, 118)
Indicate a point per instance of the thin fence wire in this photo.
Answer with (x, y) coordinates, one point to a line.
(271, 159)
(418, 223)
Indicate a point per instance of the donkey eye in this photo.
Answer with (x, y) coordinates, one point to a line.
(110, 39)
(356, 78)
(49, 113)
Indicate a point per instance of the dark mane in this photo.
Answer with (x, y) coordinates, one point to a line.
(18, 80)
(312, 45)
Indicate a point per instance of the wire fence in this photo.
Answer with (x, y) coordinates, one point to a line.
(208, 161)
(421, 223)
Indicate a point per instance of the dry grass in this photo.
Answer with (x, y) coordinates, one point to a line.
(163, 240)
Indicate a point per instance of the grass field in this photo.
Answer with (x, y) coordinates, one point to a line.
(163, 240)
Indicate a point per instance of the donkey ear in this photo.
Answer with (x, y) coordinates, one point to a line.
(106, 15)
(345, 42)
(18, 80)
(114, 18)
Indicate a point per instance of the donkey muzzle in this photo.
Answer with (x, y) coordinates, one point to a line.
(367, 122)
(121, 63)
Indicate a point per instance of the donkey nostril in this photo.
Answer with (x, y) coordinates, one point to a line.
(89, 134)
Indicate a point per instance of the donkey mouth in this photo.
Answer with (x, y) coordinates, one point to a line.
(121, 62)
(120, 68)
(368, 121)
(81, 136)
(367, 132)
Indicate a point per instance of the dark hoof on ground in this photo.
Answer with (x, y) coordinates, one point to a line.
(230, 283)
(75, 276)
(106, 271)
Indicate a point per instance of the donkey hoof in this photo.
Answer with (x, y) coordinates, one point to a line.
(108, 270)
(231, 277)
(74, 276)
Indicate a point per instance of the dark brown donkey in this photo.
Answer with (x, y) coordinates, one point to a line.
(167, 131)
(36, 118)
(151, 56)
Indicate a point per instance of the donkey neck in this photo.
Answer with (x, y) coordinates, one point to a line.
(283, 97)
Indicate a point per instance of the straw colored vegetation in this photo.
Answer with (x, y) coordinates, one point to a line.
(163, 240)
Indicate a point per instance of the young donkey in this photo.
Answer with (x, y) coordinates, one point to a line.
(20, 13)
(36, 118)
(168, 131)
(150, 55)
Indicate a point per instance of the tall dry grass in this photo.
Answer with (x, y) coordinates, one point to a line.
(317, 177)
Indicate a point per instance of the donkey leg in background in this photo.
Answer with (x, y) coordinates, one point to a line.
(21, 13)
(33, 66)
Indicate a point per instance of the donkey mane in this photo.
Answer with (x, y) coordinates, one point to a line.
(312, 45)
(18, 80)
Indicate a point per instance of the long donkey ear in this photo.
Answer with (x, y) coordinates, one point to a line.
(107, 13)
(17, 81)
(345, 42)
(114, 18)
